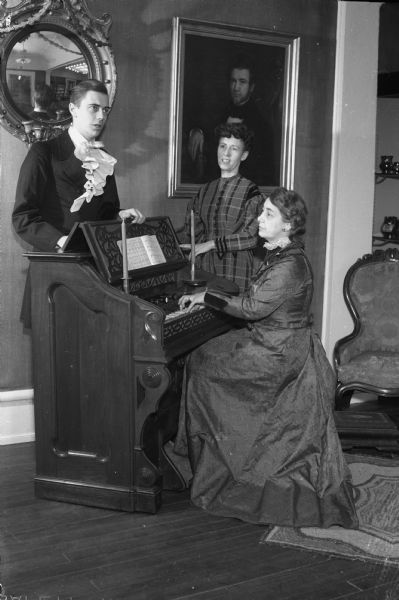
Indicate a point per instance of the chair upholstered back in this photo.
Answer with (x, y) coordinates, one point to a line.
(371, 292)
(368, 358)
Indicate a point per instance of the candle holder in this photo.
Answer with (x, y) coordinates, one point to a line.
(125, 264)
(193, 281)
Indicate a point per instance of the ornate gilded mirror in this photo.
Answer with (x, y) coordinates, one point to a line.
(47, 47)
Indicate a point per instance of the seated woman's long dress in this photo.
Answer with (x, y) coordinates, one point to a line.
(256, 415)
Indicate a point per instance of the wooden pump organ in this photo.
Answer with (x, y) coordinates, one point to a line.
(108, 350)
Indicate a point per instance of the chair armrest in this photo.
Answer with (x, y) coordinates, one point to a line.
(348, 343)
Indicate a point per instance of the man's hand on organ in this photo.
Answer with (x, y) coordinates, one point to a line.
(132, 213)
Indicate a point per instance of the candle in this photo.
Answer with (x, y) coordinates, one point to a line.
(192, 246)
(124, 258)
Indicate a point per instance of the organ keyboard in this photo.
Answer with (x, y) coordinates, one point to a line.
(107, 365)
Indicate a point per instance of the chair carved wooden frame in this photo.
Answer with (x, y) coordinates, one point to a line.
(367, 360)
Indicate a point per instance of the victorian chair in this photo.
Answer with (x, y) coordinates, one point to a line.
(367, 360)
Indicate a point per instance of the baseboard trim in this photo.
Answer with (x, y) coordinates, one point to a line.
(22, 438)
(16, 417)
(25, 395)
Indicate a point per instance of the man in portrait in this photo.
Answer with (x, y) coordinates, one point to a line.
(243, 108)
(260, 166)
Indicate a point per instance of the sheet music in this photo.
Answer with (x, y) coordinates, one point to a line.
(143, 251)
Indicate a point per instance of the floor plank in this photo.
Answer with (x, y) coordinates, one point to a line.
(61, 551)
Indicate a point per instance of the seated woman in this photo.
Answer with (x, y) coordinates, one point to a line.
(226, 211)
(257, 404)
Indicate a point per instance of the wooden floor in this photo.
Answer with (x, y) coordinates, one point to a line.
(57, 551)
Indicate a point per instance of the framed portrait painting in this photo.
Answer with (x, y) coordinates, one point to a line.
(225, 73)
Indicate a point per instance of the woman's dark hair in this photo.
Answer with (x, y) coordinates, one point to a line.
(81, 89)
(237, 130)
(292, 208)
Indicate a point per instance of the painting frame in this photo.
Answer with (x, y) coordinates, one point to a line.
(195, 41)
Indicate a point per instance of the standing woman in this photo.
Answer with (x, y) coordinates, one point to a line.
(257, 404)
(226, 211)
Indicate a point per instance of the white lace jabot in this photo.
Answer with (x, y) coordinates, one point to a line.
(98, 165)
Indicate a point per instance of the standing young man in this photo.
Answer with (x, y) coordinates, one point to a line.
(69, 178)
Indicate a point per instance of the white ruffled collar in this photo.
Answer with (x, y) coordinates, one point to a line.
(280, 243)
(98, 165)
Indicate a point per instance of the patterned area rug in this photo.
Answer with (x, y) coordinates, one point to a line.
(376, 482)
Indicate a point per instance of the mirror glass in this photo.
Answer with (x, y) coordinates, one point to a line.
(41, 70)
(46, 48)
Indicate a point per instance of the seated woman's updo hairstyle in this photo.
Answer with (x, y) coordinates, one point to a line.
(292, 208)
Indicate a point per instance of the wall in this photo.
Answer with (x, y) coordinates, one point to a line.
(16, 412)
(388, 55)
(138, 129)
(386, 201)
(387, 129)
(353, 157)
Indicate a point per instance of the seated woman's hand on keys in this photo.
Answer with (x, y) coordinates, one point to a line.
(188, 301)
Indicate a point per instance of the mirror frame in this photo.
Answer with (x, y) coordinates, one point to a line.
(70, 18)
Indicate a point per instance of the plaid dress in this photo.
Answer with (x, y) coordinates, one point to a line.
(226, 211)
